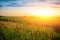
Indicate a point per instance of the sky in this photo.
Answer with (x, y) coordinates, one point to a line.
(22, 7)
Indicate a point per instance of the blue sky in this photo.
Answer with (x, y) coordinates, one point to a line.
(9, 7)
(15, 3)
(21, 3)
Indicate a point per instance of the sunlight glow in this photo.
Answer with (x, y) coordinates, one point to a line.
(43, 12)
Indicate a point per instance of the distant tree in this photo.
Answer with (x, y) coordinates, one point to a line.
(0, 16)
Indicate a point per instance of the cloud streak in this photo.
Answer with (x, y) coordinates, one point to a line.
(23, 3)
(21, 7)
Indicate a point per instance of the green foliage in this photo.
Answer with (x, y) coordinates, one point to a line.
(12, 28)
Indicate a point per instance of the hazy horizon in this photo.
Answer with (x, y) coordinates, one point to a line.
(24, 7)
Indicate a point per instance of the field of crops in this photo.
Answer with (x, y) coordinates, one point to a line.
(18, 28)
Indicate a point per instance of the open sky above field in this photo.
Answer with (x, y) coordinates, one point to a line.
(30, 7)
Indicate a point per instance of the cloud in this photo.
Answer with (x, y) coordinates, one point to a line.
(56, 2)
(18, 3)
(6, 0)
(15, 7)
(23, 3)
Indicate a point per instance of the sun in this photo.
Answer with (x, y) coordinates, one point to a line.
(42, 12)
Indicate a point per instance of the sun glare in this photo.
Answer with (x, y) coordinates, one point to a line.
(42, 12)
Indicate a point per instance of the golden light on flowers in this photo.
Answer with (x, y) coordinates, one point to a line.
(42, 12)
